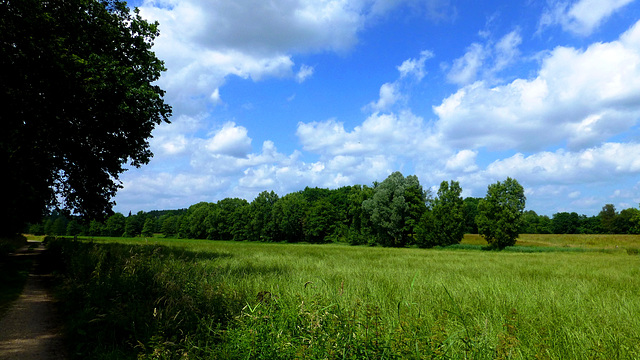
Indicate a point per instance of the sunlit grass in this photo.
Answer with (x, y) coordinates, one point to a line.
(335, 301)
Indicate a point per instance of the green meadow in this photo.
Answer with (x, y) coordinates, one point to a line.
(568, 297)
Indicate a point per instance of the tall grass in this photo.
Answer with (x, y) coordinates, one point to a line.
(330, 301)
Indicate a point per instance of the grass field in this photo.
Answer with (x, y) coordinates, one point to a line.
(208, 299)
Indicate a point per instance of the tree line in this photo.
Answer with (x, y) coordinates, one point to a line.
(395, 212)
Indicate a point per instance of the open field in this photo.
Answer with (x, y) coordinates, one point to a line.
(209, 299)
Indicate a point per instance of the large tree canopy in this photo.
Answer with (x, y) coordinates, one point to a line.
(444, 223)
(395, 209)
(77, 83)
(500, 213)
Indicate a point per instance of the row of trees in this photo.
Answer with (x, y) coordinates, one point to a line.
(396, 212)
(608, 221)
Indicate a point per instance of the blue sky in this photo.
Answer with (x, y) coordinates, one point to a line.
(283, 94)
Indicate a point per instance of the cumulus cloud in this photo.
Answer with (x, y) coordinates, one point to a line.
(611, 160)
(389, 95)
(582, 97)
(577, 101)
(202, 44)
(484, 60)
(403, 134)
(415, 67)
(506, 50)
(581, 17)
(465, 69)
(231, 140)
(463, 161)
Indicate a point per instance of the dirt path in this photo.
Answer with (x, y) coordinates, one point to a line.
(30, 329)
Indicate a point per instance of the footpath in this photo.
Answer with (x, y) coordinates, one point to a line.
(30, 329)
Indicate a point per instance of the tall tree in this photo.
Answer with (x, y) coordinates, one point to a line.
(565, 223)
(395, 208)
(79, 104)
(261, 226)
(500, 213)
(289, 216)
(444, 223)
(148, 227)
(319, 221)
(607, 217)
(114, 226)
(470, 213)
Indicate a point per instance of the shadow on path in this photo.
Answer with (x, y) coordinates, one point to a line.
(30, 329)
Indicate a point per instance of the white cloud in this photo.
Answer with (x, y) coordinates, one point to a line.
(463, 161)
(174, 145)
(401, 134)
(582, 17)
(574, 194)
(304, 73)
(215, 97)
(605, 162)
(465, 69)
(231, 140)
(485, 61)
(203, 43)
(389, 95)
(506, 50)
(583, 97)
(415, 67)
(264, 27)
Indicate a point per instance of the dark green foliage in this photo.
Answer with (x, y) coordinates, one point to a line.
(625, 222)
(226, 218)
(500, 213)
(148, 228)
(607, 218)
(566, 223)
(114, 225)
(533, 223)
(95, 228)
(635, 223)
(77, 84)
(288, 215)
(261, 226)
(59, 226)
(320, 221)
(444, 224)
(133, 224)
(470, 213)
(170, 224)
(194, 222)
(395, 208)
(74, 228)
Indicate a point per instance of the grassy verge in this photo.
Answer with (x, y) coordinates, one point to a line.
(231, 300)
(121, 300)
